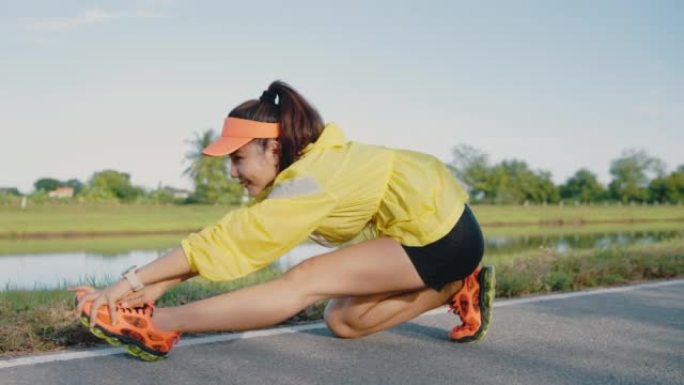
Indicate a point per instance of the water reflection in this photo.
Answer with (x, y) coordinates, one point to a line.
(60, 269)
(63, 269)
(565, 243)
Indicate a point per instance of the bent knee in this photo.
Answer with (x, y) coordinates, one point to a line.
(342, 330)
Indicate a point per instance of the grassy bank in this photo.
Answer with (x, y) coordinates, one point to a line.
(99, 245)
(36, 321)
(594, 228)
(82, 219)
(568, 215)
(93, 217)
(111, 245)
(544, 270)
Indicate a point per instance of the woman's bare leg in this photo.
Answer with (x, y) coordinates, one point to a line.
(354, 317)
(372, 267)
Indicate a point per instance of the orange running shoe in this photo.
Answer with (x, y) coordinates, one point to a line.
(134, 329)
(473, 304)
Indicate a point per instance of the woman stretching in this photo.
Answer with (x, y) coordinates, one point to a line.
(422, 244)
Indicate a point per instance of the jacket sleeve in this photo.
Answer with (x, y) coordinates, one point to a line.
(250, 238)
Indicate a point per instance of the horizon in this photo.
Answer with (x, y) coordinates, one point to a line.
(190, 187)
(122, 85)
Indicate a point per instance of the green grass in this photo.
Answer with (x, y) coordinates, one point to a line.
(110, 245)
(91, 217)
(543, 270)
(101, 245)
(594, 228)
(552, 214)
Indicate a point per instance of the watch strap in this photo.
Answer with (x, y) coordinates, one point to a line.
(133, 279)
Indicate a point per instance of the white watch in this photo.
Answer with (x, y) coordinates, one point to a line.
(132, 278)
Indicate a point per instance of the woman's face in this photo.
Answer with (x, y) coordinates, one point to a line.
(254, 166)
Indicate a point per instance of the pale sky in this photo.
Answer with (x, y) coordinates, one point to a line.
(93, 85)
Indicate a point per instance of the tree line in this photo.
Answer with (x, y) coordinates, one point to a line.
(210, 175)
(636, 177)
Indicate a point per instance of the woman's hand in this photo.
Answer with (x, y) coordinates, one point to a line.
(149, 294)
(109, 297)
(171, 268)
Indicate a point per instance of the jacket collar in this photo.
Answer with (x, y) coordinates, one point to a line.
(331, 136)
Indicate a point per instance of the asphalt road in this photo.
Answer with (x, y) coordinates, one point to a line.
(633, 335)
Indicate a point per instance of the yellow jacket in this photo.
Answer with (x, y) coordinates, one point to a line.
(333, 192)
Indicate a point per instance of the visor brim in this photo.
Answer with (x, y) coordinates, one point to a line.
(225, 146)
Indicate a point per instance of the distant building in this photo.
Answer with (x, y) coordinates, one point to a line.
(62, 192)
(178, 193)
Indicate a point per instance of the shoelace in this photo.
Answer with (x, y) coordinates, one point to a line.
(454, 308)
(140, 310)
(144, 310)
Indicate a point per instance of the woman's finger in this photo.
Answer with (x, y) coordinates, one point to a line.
(128, 296)
(81, 291)
(100, 301)
(112, 311)
(85, 299)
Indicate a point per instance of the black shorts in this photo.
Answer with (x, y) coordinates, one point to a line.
(452, 257)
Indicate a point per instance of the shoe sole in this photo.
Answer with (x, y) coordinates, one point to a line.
(487, 281)
(131, 345)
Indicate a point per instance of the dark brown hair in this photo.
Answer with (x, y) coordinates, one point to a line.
(300, 123)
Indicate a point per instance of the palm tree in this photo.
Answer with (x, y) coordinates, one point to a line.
(210, 174)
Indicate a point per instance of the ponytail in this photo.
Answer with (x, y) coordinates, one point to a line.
(300, 123)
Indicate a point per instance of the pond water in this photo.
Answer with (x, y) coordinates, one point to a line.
(568, 242)
(27, 271)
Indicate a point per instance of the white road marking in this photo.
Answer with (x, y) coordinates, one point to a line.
(66, 356)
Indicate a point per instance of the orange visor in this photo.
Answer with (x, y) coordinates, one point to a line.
(238, 132)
